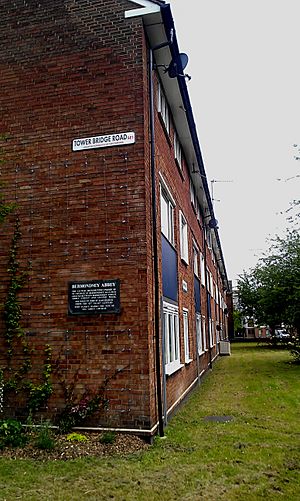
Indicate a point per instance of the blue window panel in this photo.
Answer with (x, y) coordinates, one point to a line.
(197, 294)
(169, 270)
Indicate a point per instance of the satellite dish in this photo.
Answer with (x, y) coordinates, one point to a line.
(213, 223)
(177, 65)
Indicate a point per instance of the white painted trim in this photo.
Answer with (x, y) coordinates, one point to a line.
(184, 393)
(147, 7)
(215, 357)
(99, 428)
(165, 187)
(121, 430)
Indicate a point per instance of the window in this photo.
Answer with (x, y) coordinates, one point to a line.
(202, 269)
(192, 193)
(198, 212)
(212, 286)
(204, 333)
(171, 333)
(207, 280)
(195, 260)
(218, 331)
(217, 294)
(177, 150)
(208, 237)
(213, 257)
(211, 338)
(187, 358)
(199, 333)
(163, 108)
(167, 216)
(184, 248)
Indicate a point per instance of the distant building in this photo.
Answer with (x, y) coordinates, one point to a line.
(126, 277)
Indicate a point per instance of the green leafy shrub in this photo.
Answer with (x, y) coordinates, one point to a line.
(45, 439)
(76, 437)
(12, 433)
(108, 437)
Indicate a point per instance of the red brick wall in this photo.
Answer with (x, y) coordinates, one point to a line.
(72, 70)
(178, 182)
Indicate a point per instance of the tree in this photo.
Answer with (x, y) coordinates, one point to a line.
(271, 291)
(238, 322)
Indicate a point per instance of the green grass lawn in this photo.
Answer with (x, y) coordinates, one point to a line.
(254, 456)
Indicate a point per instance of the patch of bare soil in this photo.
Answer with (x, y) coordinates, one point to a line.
(65, 449)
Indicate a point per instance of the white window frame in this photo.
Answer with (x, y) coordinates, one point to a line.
(211, 284)
(192, 193)
(198, 212)
(207, 280)
(195, 260)
(208, 237)
(199, 334)
(213, 257)
(202, 269)
(184, 244)
(185, 316)
(172, 339)
(217, 334)
(210, 334)
(163, 108)
(167, 223)
(204, 332)
(177, 150)
(212, 288)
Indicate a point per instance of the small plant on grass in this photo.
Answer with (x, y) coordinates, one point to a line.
(12, 434)
(45, 439)
(76, 437)
(108, 437)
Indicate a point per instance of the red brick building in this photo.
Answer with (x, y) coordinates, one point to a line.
(125, 276)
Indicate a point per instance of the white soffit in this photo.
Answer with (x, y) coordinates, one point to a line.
(147, 7)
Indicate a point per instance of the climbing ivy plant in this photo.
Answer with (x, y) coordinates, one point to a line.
(14, 380)
(12, 307)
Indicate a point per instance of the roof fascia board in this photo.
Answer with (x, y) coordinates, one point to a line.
(169, 24)
(147, 7)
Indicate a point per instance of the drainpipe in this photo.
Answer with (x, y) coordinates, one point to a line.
(155, 253)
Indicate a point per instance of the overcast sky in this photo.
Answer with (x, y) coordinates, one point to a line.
(245, 93)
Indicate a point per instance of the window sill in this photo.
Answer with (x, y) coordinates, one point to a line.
(171, 370)
(200, 353)
(184, 261)
(188, 361)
